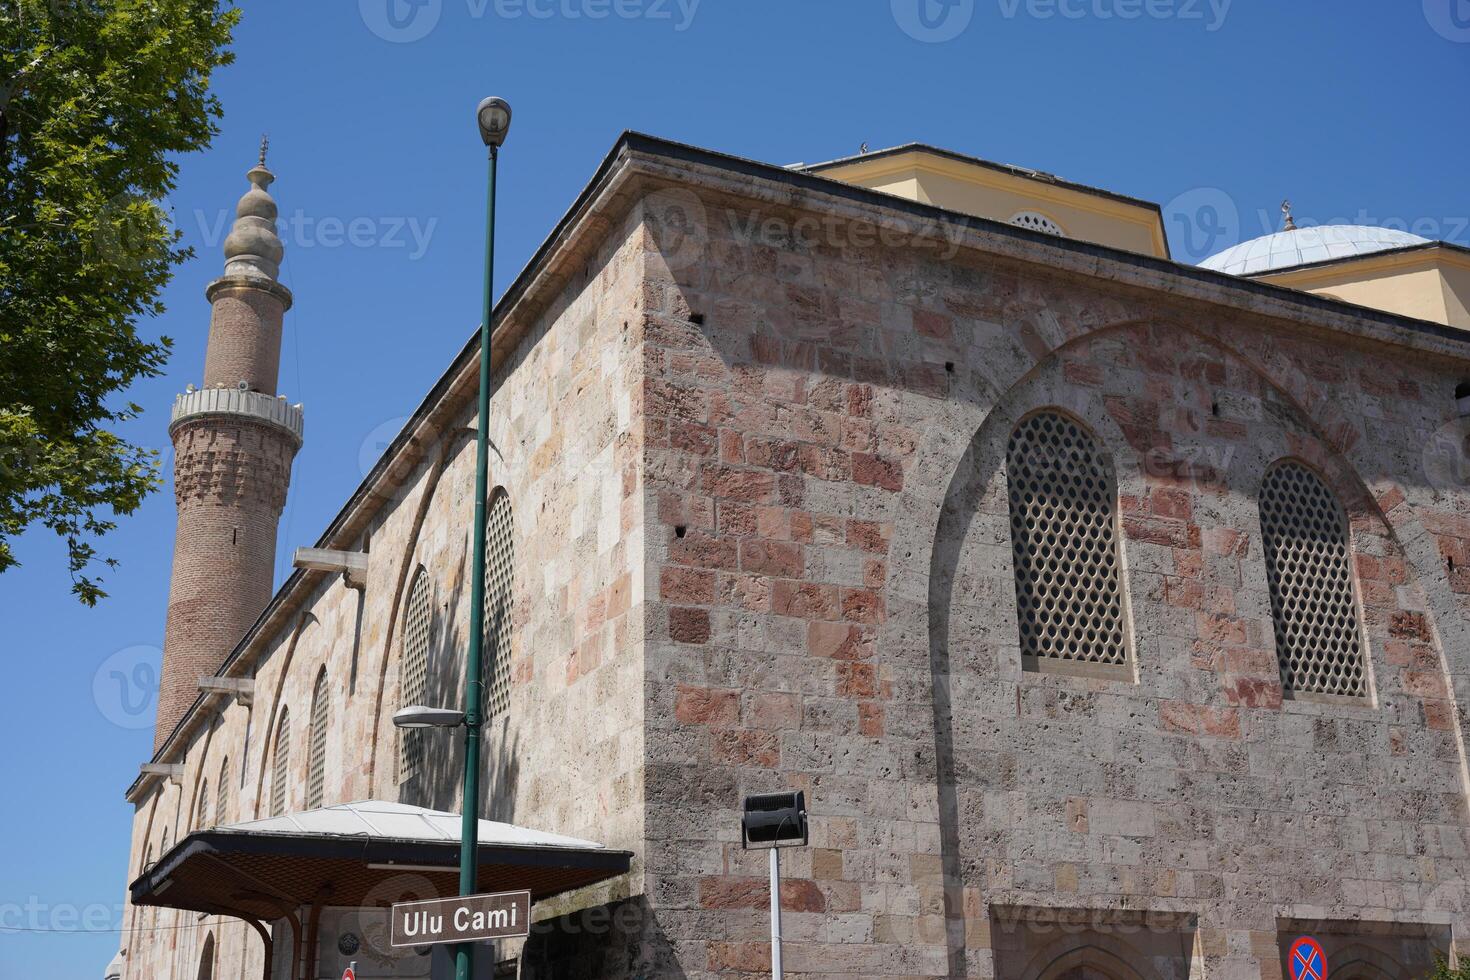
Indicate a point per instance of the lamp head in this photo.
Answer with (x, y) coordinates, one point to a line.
(494, 119)
(418, 716)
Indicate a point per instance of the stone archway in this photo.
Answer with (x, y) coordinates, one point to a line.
(1089, 963)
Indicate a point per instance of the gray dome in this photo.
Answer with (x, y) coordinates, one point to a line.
(1300, 246)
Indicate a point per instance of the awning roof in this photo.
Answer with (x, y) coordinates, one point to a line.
(361, 854)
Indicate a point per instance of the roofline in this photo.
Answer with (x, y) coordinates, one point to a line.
(1005, 168)
(631, 144)
(401, 850)
(1397, 250)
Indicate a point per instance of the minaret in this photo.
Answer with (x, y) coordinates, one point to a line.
(234, 440)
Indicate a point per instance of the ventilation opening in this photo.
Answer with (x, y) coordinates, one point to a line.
(1462, 390)
(1308, 557)
(680, 531)
(1036, 221)
(499, 600)
(949, 366)
(1063, 500)
(697, 319)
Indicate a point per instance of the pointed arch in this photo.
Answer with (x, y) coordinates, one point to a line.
(1320, 645)
(303, 624)
(281, 765)
(201, 815)
(1063, 502)
(206, 959)
(222, 799)
(499, 601)
(413, 668)
(316, 752)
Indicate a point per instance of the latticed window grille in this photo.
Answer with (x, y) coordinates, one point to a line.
(417, 621)
(222, 801)
(201, 819)
(316, 753)
(1304, 534)
(499, 600)
(1063, 501)
(1037, 221)
(281, 767)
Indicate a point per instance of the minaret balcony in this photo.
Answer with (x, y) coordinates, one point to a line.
(275, 411)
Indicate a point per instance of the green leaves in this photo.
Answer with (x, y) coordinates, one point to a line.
(97, 98)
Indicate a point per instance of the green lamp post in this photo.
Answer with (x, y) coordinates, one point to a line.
(493, 117)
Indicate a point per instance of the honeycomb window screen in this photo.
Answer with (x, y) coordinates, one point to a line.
(281, 765)
(1304, 533)
(1064, 540)
(417, 621)
(499, 600)
(222, 801)
(316, 753)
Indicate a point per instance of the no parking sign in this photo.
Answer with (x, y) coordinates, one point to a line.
(1307, 960)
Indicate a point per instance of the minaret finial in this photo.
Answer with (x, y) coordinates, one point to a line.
(1286, 210)
(265, 145)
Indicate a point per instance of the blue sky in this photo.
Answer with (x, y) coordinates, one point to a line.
(1217, 110)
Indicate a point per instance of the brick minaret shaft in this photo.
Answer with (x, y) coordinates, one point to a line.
(234, 440)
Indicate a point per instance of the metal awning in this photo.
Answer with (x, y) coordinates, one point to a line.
(360, 854)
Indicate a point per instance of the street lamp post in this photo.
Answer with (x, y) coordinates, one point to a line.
(493, 118)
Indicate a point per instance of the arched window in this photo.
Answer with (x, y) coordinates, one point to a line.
(499, 600)
(1304, 534)
(281, 769)
(1064, 539)
(206, 959)
(201, 818)
(222, 801)
(414, 669)
(316, 754)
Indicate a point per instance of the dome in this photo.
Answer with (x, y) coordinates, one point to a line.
(1300, 246)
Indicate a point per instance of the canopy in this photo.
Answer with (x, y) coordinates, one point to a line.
(361, 854)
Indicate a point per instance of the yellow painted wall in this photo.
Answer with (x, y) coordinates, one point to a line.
(987, 192)
(1429, 284)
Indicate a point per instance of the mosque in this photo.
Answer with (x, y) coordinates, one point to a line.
(1112, 613)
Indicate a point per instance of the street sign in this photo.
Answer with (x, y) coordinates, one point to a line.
(1307, 960)
(462, 920)
(351, 972)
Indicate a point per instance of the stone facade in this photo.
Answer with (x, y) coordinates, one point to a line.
(753, 427)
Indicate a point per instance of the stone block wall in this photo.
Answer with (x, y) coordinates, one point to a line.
(754, 452)
(567, 756)
(833, 608)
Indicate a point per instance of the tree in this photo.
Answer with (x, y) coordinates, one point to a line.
(1443, 971)
(97, 97)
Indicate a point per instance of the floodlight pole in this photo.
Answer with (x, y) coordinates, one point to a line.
(474, 698)
(776, 913)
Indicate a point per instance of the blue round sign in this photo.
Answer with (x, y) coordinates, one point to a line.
(1307, 960)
